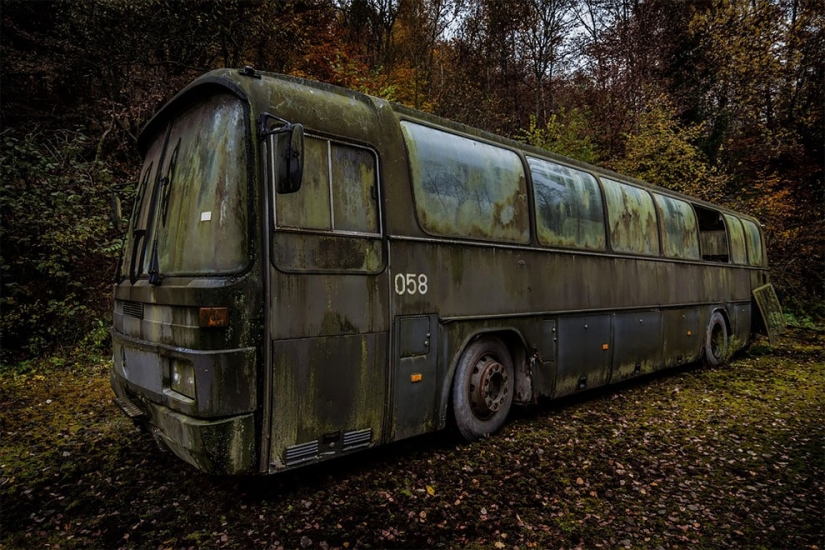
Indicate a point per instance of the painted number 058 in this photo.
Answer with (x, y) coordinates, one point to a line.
(411, 283)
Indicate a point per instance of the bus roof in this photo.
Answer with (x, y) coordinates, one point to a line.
(240, 83)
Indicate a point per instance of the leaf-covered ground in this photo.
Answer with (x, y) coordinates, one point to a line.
(696, 458)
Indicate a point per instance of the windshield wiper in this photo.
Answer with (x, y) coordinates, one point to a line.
(165, 185)
(167, 182)
(138, 234)
(151, 221)
(154, 267)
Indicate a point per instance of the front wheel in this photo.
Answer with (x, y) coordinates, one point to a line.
(482, 388)
(716, 340)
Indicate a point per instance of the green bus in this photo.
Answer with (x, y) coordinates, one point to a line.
(310, 271)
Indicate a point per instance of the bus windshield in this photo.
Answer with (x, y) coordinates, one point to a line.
(190, 214)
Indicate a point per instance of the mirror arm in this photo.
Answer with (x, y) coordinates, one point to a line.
(264, 128)
(288, 170)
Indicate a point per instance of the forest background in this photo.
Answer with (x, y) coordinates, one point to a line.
(720, 99)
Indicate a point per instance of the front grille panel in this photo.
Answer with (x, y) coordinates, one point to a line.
(133, 309)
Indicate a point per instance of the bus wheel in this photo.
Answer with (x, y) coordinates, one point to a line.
(716, 340)
(483, 388)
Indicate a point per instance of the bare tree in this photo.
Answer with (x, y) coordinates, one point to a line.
(371, 22)
(541, 40)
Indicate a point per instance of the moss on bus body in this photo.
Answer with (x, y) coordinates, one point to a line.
(336, 297)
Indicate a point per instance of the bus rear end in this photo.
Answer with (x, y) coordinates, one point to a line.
(188, 305)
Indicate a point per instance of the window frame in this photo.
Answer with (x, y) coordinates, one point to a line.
(330, 140)
(704, 214)
(663, 227)
(535, 210)
(728, 217)
(758, 229)
(159, 126)
(657, 253)
(525, 186)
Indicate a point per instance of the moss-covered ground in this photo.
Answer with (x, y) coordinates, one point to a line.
(701, 457)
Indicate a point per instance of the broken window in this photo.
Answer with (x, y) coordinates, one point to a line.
(713, 240)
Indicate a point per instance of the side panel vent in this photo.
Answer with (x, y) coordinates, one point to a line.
(357, 439)
(133, 309)
(301, 453)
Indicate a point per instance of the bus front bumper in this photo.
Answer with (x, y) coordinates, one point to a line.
(215, 446)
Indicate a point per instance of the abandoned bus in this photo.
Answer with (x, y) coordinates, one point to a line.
(310, 271)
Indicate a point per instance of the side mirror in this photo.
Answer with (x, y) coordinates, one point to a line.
(290, 155)
(116, 215)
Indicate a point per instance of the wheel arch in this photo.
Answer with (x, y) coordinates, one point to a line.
(516, 344)
(723, 310)
(723, 313)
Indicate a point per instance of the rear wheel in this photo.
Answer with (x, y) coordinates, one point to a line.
(482, 388)
(716, 340)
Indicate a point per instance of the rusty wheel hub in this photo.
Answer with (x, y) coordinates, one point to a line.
(488, 387)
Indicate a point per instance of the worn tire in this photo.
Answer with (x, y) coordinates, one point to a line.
(716, 340)
(483, 388)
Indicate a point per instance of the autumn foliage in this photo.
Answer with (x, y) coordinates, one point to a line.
(721, 99)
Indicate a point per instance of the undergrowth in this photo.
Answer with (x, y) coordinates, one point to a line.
(698, 457)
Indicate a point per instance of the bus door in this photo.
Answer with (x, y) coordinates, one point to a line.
(328, 317)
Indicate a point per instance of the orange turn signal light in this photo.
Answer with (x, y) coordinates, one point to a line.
(416, 377)
(213, 317)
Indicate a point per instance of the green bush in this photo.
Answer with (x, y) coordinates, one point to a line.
(58, 247)
(566, 133)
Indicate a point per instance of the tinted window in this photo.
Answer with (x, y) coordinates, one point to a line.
(569, 208)
(680, 232)
(737, 240)
(753, 242)
(465, 188)
(632, 219)
(338, 191)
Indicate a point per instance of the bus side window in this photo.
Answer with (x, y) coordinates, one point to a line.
(753, 240)
(632, 219)
(680, 232)
(338, 192)
(354, 197)
(309, 208)
(569, 209)
(466, 188)
(737, 240)
(713, 239)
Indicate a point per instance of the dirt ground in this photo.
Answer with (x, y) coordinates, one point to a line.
(695, 458)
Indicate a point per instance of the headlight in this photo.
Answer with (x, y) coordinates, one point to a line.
(183, 377)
